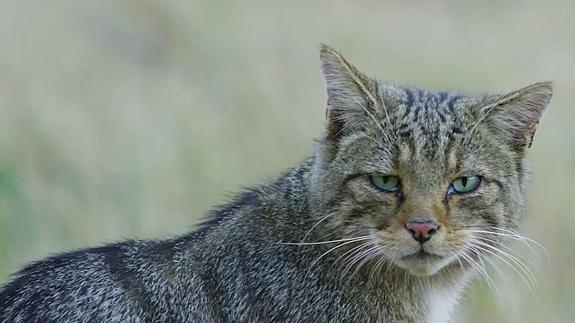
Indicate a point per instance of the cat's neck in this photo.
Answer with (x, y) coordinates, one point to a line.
(444, 293)
(432, 299)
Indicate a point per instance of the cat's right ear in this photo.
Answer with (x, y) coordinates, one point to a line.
(351, 98)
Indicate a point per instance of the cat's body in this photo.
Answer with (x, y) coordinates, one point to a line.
(233, 269)
(319, 243)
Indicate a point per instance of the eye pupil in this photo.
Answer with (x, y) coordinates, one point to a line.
(464, 184)
(385, 183)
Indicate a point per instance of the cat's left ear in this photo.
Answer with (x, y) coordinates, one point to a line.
(517, 113)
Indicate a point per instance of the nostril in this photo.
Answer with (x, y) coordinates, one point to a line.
(422, 230)
(433, 230)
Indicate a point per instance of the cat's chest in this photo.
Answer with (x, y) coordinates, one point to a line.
(441, 301)
(441, 304)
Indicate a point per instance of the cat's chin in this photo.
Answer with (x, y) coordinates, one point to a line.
(423, 271)
(422, 266)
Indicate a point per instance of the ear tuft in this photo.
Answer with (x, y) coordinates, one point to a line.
(339, 73)
(517, 113)
(350, 94)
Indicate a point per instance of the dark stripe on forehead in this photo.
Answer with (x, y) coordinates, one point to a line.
(431, 101)
(416, 114)
(420, 94)
(442, 97)
(452, 101)
(409, 100)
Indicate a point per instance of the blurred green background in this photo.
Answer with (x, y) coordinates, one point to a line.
(133, 118)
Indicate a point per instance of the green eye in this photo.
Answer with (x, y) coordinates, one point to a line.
(385, 183)
(464, 184)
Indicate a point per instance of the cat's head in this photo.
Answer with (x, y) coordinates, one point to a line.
(427, 179)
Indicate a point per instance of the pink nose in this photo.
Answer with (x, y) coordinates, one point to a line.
(422, 230)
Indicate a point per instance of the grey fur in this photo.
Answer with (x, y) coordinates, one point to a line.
(262, 257)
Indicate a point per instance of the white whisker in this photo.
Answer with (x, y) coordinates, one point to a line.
(323, 242)
(479, 268)
(316, 224)
(347, 241)
(515, 236)
(520, 272)
(514, 259)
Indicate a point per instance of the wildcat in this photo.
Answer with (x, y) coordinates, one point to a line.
(386, 221)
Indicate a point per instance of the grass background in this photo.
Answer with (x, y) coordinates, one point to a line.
(132, 118)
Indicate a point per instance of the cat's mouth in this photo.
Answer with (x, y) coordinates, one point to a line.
(422, 262)
(421, 254)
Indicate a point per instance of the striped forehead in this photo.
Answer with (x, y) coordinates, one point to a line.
(417, 100)
(428, 121)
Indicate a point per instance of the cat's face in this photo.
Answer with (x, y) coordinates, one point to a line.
(429, 179)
